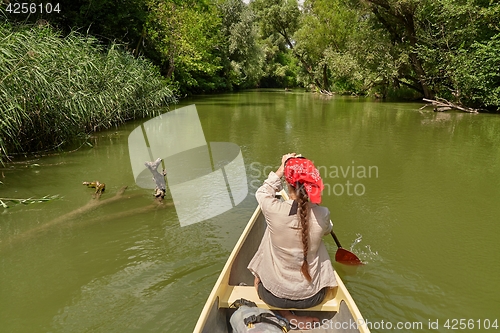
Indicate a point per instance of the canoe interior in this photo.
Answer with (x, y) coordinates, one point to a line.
(216, 320)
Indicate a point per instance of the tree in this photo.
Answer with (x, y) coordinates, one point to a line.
(399, 18)
(279, 20)
(459, 44)
(243, 57)
(450, 46)
(187, 36)
(477, 74)
(322, 40)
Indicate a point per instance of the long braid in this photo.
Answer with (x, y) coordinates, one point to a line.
(303, 212)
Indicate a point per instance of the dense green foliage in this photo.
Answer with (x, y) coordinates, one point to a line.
(186, 36)
(412, 48)
(449, 46)
(54, 90)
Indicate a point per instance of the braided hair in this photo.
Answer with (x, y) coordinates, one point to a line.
(303, 210)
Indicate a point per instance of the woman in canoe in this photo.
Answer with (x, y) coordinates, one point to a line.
(292, 267)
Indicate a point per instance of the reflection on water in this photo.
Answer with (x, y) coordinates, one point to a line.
(427, 225)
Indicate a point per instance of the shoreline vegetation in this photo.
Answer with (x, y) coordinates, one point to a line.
(56, 90)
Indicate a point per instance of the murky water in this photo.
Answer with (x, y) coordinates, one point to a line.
(415, 193)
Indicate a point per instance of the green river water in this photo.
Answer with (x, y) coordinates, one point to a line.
(423, 214)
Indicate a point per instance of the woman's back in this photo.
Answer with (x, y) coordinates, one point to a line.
(286, 231)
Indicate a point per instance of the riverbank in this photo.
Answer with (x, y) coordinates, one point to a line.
(55, 91)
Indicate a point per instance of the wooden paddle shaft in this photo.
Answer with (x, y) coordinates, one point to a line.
(335, 239)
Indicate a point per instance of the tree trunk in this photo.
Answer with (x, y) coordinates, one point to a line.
(326, 85)
(171, 67)
(403, 31)
(417, 66)
(415, 61)
(307, 66)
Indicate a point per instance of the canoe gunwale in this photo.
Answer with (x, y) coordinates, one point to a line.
(223, 280)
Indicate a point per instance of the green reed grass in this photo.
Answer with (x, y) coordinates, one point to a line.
(54, 90)
(26, 201)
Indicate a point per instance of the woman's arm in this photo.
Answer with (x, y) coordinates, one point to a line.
(281, 169)
(265, 195)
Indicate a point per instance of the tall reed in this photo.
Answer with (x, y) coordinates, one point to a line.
(54, 90)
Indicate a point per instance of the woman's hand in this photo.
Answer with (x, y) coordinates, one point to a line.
(286, 157)
(281, 169)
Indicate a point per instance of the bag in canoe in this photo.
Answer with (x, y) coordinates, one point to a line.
(251, 319)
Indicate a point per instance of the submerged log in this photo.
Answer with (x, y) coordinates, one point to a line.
(159, 178)
(441, 105)
(91, 205)
(90, 217)
(61, 220)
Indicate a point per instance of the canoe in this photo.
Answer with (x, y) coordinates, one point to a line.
(337, 313)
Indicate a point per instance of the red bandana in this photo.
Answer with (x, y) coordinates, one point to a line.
(303, 171)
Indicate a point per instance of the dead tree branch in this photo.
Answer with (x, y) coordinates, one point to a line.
(159, 178)
(441, 105)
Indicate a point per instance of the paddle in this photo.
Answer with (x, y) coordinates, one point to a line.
(343, 256)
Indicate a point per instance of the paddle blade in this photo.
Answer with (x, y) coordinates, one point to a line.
(347, 257)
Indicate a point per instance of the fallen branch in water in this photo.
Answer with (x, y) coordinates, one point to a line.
(91, 205)
(156, 205)
(440, 105)
(325, 92)
(86, 211)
